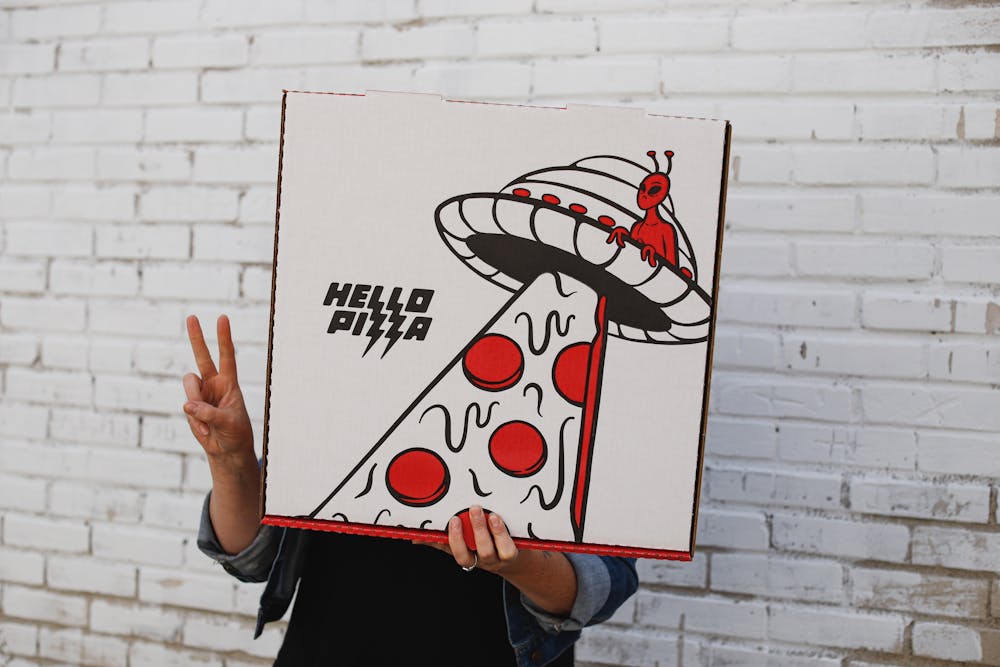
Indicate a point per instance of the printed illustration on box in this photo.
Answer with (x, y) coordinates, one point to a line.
(590, 250)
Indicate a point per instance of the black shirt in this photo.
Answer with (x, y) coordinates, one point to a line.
(374, 601)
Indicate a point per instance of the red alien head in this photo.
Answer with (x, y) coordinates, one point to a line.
(656, 186)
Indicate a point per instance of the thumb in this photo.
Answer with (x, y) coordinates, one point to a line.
(204, 412)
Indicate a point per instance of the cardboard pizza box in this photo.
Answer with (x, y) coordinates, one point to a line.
(492, 304)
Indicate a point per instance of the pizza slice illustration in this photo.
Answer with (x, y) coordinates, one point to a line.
(589, 251)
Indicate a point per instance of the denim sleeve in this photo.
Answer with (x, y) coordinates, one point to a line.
(252, 564)
(603, 583)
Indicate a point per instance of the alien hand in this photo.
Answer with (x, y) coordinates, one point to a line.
(649, 254)
(618, 235)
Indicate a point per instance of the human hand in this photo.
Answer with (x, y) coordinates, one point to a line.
(495, 550)
(215, 409)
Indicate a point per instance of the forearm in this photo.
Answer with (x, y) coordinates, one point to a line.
(546, 578)
(235, 501)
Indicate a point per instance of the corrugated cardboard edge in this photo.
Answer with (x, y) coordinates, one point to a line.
(699, 473)
(438, 536)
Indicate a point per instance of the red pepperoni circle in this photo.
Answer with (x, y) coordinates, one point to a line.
(569, 372)
(578, 208)
(552, 199)
(417, 477)
(606, 220)
(494, 363)
(518, 449)
(522, 192)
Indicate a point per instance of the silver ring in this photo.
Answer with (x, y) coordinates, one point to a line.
(474, 563)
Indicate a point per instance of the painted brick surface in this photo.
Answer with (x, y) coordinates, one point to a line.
(848, 511)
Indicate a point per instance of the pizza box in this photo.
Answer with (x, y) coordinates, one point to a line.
(496, 305)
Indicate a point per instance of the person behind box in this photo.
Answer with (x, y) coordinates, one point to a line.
(376, 601)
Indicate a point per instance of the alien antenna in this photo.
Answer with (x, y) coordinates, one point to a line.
(652, 154)
(670, 160)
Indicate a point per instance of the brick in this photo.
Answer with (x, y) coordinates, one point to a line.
(949, 502)
(903, 121)
(746, 349)
(87, 278)
(65, 352)
(190, 281)
(729, 73)
(137, 545)
(83, 649)
(52, 164)
(865, 73)
(179, 511)
(197, 51)
(188, 204)
(151, 17)
(498, 39)
(95, 127)
(142, 654)
(236, 165)
(50, 22)
(233, 244)
(255, 284)
(143, 241)
(166, 358)
(619, 76)
(957, 548)
(965, 362)
(212, 632)
(151, 88)
(676, 574)
(647, 34)
(820, 307)
(855, 355)
(146, 394)
(22, 276)
(40, 605)
(27, 58)
(170, 434)
(969, 167)
(263, 123)
(47, 534)
(888, 165)
(980, 121)
(90, 203)
(870, 447)
(756, 258)
(923, 28)
(87, 500)
(906, 310)
(958, 454)
(722, 616)
(248, 85)
(23, 421)
(89, 575)
(765, 487)
(790, 120)
(837, 628)
(476, 80)
(412, 43)
(972, 71)
(183, 589)
(739, 395)
(306, 47)
(102, 55)
(949, 642)
(732, 530)
(156, 165)
(768, 576)
(23, 567)
(974, 264)
(24, 201)
(21, 638)
(627, 649)
(219, 13)
(799, 31)
(921, 593)
(110, 354)
(899, 261)
(761, 164)
(97, 428)
(946, 215)
(52, 387)
(835, 537)
(44, 313)
(724, 654)
(740, 438)
(196, 124)
(789, 212)
(136, 620)
(23, 127)
(58, 90)
(18, 349)
(361, 78)
(937, 406)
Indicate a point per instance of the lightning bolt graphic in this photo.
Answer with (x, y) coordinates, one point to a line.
(396, 321)
(375, 331)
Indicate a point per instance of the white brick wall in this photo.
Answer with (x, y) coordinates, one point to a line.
(849, 511)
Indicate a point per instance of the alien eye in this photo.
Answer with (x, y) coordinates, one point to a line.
(642, 187)
(655, 189)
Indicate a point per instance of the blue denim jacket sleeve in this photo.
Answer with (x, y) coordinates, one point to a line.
(275, 555)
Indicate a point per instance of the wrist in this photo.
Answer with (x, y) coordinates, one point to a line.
(232, 468)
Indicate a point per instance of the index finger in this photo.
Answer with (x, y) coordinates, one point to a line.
(227, 351)
(202, 356)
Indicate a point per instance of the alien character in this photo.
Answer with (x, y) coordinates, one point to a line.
(657, 235)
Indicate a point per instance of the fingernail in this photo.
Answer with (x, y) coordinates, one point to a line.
(495, 521)
(189, 408)
(204, 429)
(454, 522)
